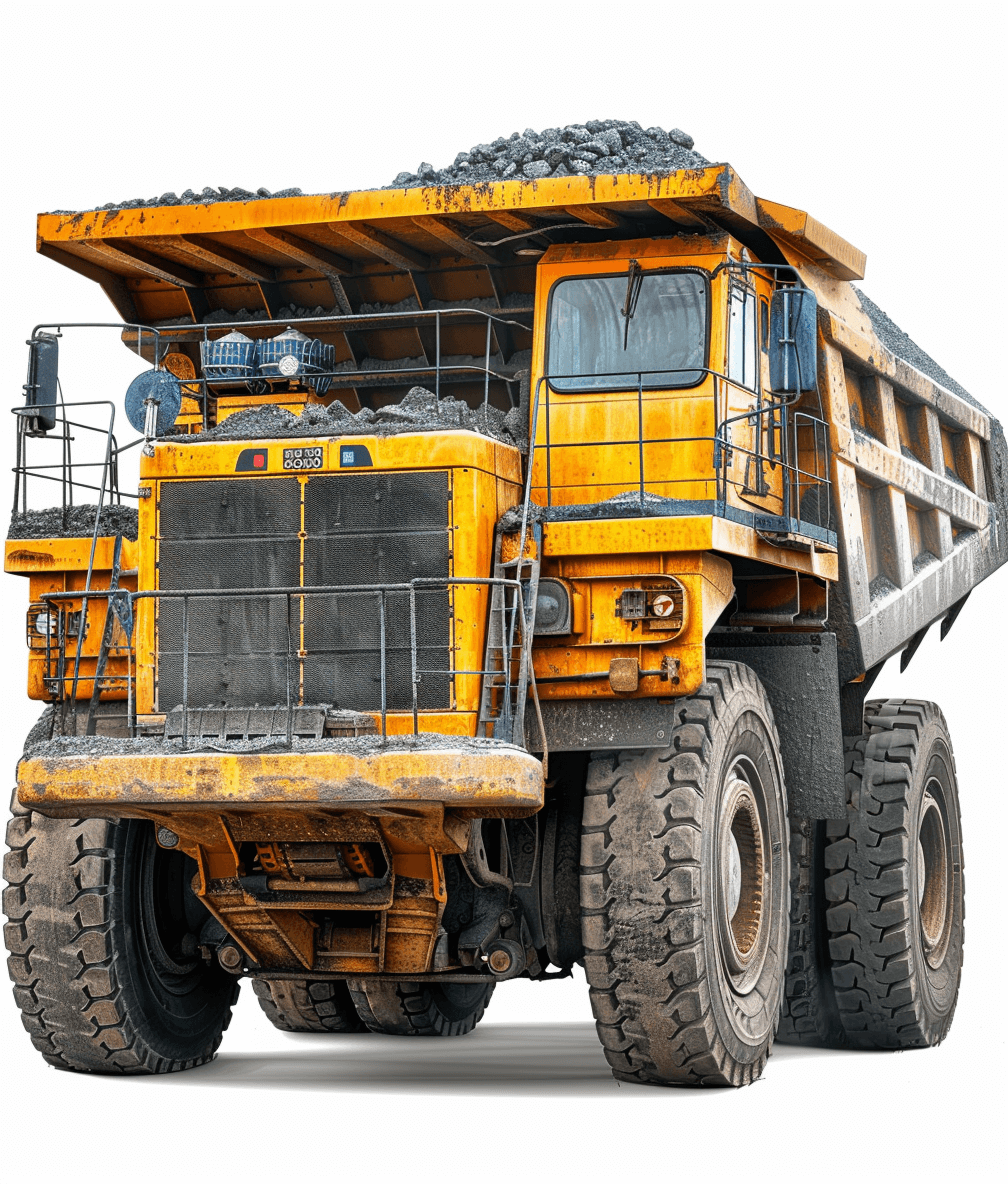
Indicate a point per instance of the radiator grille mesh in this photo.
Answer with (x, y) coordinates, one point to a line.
(360, 528)
(376, 528)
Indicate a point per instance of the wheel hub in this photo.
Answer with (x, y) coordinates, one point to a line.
(933, 878)
(744, 866)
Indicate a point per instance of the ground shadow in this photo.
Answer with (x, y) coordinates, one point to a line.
(515, 1059)
(558, 1059)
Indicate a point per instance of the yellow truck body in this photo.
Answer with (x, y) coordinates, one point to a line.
(639, 490)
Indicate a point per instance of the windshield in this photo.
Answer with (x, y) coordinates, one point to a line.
(666, 336)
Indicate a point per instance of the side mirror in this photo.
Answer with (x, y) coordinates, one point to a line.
(41, 387)
(793, 341)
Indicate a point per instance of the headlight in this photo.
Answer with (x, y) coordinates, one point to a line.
(553, 608)
(45, 624)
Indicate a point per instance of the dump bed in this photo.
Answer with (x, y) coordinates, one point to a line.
(918, 468)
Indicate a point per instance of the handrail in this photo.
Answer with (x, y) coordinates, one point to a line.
(289, 593)
(793, 474)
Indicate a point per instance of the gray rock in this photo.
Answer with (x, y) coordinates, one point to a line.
(684, 139)
(611, 139)
(536, 168)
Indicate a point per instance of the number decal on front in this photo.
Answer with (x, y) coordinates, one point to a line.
(302, 458)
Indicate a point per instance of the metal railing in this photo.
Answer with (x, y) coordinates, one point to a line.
(62, 684)
(144, 339)
(343, 376)
(765, 419)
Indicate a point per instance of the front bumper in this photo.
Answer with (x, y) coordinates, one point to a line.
(82, 776)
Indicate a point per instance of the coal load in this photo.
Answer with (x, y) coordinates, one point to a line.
(587, 149)
(419, 411)
(903, 346)
(590, 149)
(75, 522)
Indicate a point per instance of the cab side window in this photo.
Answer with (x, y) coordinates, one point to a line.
(773, 420)
(742, 338)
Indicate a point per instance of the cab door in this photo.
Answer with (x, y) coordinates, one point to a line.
(756, 438)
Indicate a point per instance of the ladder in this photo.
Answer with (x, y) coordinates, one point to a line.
(502, 701)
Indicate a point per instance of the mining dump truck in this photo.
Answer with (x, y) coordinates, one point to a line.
(510, 565)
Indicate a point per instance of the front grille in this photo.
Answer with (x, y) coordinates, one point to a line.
(359, 528)
(376, 528)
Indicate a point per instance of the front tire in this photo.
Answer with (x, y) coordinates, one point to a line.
(101, 930)
(684, 891)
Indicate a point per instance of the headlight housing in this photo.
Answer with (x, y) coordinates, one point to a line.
(554, 608)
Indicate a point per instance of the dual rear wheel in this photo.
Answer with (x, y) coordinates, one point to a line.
(389, 1006)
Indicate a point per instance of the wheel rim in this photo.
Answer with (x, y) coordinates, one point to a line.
(170, 969)
(745, 879)
(934, 875)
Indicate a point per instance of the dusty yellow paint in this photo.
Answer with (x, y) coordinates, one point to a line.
(718, 183)
(578, 667)
(487, 779)
(30, 556)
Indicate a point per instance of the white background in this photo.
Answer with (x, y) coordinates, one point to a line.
(889, 126)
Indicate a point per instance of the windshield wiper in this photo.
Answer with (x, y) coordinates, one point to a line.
(635, 277)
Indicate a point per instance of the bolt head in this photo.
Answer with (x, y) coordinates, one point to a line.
(230, 957)
(500, 961)
(167, 838)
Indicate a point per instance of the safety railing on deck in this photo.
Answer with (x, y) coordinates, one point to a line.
(437, 368)
(64, 674)
(782, 436)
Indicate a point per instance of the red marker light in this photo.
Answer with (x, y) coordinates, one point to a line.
(259, 461)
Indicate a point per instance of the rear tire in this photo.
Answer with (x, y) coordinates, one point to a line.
(101, 931)
(684, 891)
(895, 881)
(297, 1005)
(809, 1012)
(419, 1009)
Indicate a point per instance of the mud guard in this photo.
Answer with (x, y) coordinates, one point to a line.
(799, 672)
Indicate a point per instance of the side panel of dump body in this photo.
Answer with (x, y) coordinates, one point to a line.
(920, 486)
(372, 513)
